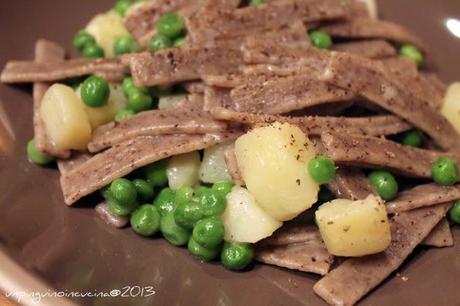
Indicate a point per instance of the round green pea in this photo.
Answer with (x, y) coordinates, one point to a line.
(184, 194)
(105, 192)
(121, 209)
(236, 256)
(200, 190)
(454, 212)
(36, 156)
(92, 51)
(139, 101)
(413, 53)
(209, 232)
(124, 113)
(127, 85)
(125, 45)
(145, 220)
(171, 25)
(95, 91)
(178, 42)
(175, 234)
(188, 214)
(412, 138)
(203, 253)
(256, 2)
(155, 173)
(123, 191)
(212, 203)
(145, 192)
(83, 38)
(165, 201)
(384, 183)
(159, 42)
(444, 171)
(320, 39)
(121, 7)
(322, 169)
(224, 187)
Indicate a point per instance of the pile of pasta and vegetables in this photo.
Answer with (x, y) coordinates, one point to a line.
(291, 132)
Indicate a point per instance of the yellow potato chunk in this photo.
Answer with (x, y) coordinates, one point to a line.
(65, 119)
(106, 29)
(244, 220)
(183, 170)
(214, 168)
(102, 115)
(451, 106)
(354, 228)
(273, 163)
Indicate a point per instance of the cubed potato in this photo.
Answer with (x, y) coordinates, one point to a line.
(273, 163)
(102, 115)
(214, 168)
(451, 106)
(106, 29)
(244, 220)
(183, 170)
(354, 228)
(65, 119)
(169, 101)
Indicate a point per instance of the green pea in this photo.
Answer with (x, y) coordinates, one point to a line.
(125, 45)
(159, 42)
(200, 190)
(413, 53)
(139, 101)
(36, 156)
(127, 85)
(165, 201)
(187, 214)
(236, 256)
(203, 253)
(321, 40)
(224, 187)
(209, 232)
(256, 2)
(121, 209)
(454, 212)
(444, 171)
(95, 91)
(412, 138)
(144, 190)
(321, 169)
(83, 38)
(160, 91)
(92, 51)
(145, 220)
(175, 234)
(213, 203)
(105, 192)
(155, 173)
(171, 25)
(179, 42)
(121, 7)
(384, 183)
(124, 113)
(123, 191)
(325, 195)
(184, 194)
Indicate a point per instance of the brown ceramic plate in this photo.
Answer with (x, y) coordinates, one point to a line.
(73, 250)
